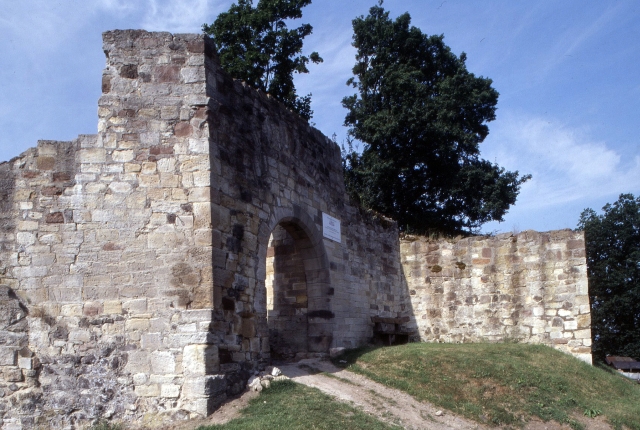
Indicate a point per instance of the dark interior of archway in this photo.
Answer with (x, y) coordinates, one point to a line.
(287, 293)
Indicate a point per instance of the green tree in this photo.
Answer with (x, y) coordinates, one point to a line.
(613, 267)
(421, 116)
(255, 45)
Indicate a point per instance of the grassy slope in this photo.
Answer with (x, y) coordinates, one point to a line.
(287, 405)
(502, 383)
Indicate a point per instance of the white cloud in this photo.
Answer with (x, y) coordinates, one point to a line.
(567, 164)
(117, 6)
(182, 16)
(41, 25)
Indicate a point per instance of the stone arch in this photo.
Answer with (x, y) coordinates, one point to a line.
(297, 320)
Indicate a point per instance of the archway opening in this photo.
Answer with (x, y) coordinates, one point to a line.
(287, 291)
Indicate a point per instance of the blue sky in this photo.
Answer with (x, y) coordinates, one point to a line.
(568, 73)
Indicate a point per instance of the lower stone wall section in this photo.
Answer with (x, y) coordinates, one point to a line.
(529, 287)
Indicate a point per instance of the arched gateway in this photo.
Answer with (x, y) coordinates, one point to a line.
(204, 230)
(298, 290)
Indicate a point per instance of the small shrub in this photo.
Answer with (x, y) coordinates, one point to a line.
(592, 413)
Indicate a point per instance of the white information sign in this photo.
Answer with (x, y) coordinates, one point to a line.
(330, 227)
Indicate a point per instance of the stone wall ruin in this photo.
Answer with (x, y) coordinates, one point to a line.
(146, 271)
(527, 287)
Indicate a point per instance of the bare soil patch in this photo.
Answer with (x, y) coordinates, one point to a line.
(387, 404)
(228, 411)
(396, 407)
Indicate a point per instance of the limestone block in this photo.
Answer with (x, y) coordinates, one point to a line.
(25, 238)
(204, 386)
(556, 334)
(137, 324)
(112, 307)
(199, 194)
(203, 237)
(202, 215)
(138, 362)
(169, 180)
(7, 356)
(582, 334)
(200, 406)
(147, 390)
(140, 378)
(132, 168)
(169, 112)
(155, 240)
(149, 168)
(200, 359)
(149, 181)
(584, 321)
(170, 390)
(122, 155)
(71, 310)
(199, 146)
(25, 363)
(151, 341)
(27, 225)
(166, 165)
(165, 379)
(192, 74)
(92, 309)
(163, 362)
(92, 155)
(564, 313)
(571, 325)
(120, 187)
(201, 179)
(12, 374)
(135, 307)
(188, 328)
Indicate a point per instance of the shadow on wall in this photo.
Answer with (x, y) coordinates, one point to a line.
(297, 310)
(7, 216)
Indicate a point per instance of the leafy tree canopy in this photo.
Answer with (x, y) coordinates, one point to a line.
(421, 116)
(613, 266)
(255, 45)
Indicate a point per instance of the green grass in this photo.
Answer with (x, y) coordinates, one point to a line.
(502, 384)
(287, 405)
(105, 425)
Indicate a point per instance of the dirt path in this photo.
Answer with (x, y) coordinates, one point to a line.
(396, 407)
(388, 404)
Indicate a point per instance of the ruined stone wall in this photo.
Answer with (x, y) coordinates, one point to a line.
(529, 287)
(133, 262)
(106, 244)
(272, 171)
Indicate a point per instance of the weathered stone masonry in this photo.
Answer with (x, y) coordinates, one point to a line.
(133, 262)
(529, 287)
(147, 270)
